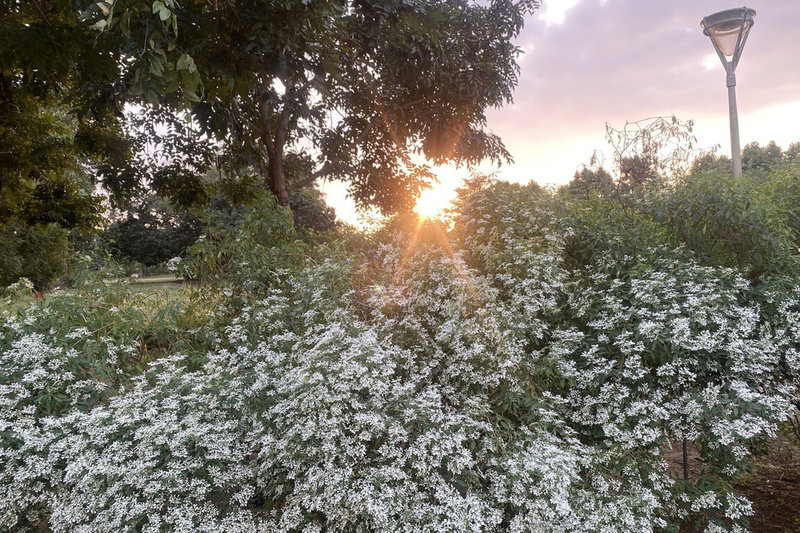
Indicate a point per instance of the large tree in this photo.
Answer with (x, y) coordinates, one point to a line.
(370, 92)
(49, 127)
(54, 68)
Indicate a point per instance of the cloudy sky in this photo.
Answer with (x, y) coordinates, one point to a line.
(589, 62)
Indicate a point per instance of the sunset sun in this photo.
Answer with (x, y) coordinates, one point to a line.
(432, 202)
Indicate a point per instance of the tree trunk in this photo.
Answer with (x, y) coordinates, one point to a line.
(274, 146)
(277, 179)
(275, 142)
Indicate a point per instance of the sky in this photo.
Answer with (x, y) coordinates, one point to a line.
(586, 63)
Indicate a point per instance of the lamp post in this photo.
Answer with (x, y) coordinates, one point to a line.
(728, 31)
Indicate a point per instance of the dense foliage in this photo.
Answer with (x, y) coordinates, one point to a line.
(356, 91)
(528, 370)
(153, 232)
(353, 88)
(44, 192)
(148, 96)
(60, 134)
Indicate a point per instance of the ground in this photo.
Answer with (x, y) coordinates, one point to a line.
(773, 487)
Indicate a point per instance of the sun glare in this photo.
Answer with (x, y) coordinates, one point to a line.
(432, 202)
(711, 61)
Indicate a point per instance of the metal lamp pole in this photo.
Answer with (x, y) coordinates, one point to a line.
(728, 31)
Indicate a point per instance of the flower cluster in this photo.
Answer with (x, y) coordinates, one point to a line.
(480, 383)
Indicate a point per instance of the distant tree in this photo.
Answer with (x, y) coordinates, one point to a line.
(153, 232)
(711, 163)
(792, 154)
(588, 182)
(758, 158)
(637, 171)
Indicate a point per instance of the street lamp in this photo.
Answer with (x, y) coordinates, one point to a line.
(728, 31)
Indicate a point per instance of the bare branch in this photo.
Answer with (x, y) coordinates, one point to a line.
(42, 13)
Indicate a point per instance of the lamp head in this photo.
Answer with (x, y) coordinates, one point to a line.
(728, 31)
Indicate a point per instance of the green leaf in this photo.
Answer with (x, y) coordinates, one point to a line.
(125, 24)
(185, 62)
(192, 97)
(156, 68)
(163, 11)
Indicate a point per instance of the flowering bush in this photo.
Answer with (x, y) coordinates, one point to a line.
(489, 379)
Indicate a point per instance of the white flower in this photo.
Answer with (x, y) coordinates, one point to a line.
(173, 265)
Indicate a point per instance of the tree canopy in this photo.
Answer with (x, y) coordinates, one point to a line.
(370, 92)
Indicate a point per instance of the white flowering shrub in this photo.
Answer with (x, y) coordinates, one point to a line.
(674, 352)
(489, 379)
(174, 264)
(21, 288)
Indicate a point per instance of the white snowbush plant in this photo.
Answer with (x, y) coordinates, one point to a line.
(470, 381)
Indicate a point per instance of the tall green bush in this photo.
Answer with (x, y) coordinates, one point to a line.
(251, 252)
(727, 222)
(782, 192)
(39, 253)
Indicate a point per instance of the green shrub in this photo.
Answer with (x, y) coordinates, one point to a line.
(38, 253)
(250, 254)
(311, 215)
(725, 222)
(782, 192)
(607, 232)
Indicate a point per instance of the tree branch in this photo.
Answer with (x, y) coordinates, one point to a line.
(42, 13)
(285, 118)
(330, 167)
(327, 168)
